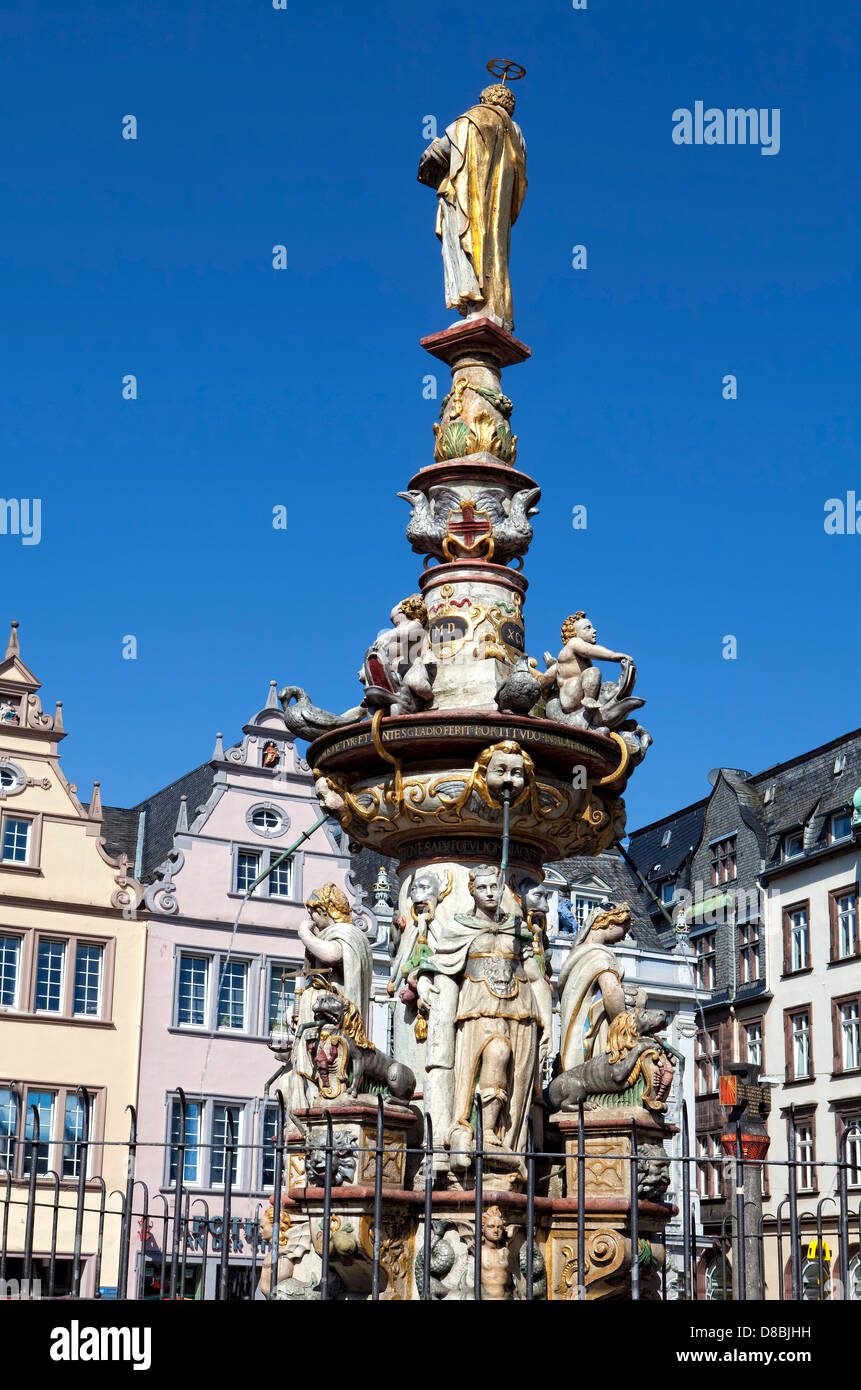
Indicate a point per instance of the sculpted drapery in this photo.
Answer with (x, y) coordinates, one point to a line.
(482, 162)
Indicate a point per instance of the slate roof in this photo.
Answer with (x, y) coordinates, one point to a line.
(120, 831)
(805, 792)
(656, 861)
(160, 816)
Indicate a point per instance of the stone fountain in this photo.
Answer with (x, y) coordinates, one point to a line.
(474, 766)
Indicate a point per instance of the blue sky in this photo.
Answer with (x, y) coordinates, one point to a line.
(302, 387)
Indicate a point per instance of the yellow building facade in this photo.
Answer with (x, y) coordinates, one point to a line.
(72, 950)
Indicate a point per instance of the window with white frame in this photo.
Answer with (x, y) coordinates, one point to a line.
(269, 1135)
(840, 826)
(219, 1149)
(8, 1128)
(191, 1154)
(709, 1166)
(753, 1042)
(232, 995)
(852, 1123)
(705, 947)
(10, 971)
(213, 992)
(16, 840)
(800, 1040)
(855, 1278)
(846, 913)
(584, 903)
(61, 1131)
(192, 990)
(748, 952)
(278, 970)
(805, 1154)
(50, 976)
(251, 863)
(723, 861)
(266, 820)
(798, 941)
(850, 1035)
(206, 1134)
(793, 844)
(89, 961)
(247, 868)
(73, 1134)
(707, 1061)
(718, 1280)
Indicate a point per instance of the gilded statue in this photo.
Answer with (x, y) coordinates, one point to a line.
(478, 168)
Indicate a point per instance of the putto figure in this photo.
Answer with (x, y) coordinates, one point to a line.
(583, 699)
(478, 168)
(399, 670)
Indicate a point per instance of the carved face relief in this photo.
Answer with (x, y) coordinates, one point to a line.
(537, 899)
(485, 892)
(424, 892)
(505, 772)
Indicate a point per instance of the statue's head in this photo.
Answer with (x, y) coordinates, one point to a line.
(414, 609)
(425, 889)
(504, 766)
(493, 1225)
(485, 886)
(499, 95)
(329, 901)
(578, 625)
(535, 897)
(608, 924)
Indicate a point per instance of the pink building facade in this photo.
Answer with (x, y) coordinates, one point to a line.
(212, 987)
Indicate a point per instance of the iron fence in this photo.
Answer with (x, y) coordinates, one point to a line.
(156, 1236)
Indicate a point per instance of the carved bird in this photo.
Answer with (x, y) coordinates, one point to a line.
(511, 530)
(520, 690)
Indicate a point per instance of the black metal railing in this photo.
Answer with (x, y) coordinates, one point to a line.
(777, 1248)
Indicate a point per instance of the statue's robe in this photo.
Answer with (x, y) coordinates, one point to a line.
(483, 1012)
(583, 1015)
(479, 200)
(352, 976)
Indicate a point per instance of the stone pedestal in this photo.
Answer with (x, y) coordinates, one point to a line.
(609, 1254)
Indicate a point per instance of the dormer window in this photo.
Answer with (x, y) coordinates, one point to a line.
(768, 795)
(839, 763)
(668, 892)
(793, 844)
(840, 827)
(666, 840)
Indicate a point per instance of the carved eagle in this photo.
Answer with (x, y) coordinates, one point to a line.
(512, 531)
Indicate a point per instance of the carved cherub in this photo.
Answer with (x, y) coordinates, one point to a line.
(583, 698)
(398, 670)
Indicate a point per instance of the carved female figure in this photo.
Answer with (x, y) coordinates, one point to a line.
(337, 949)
